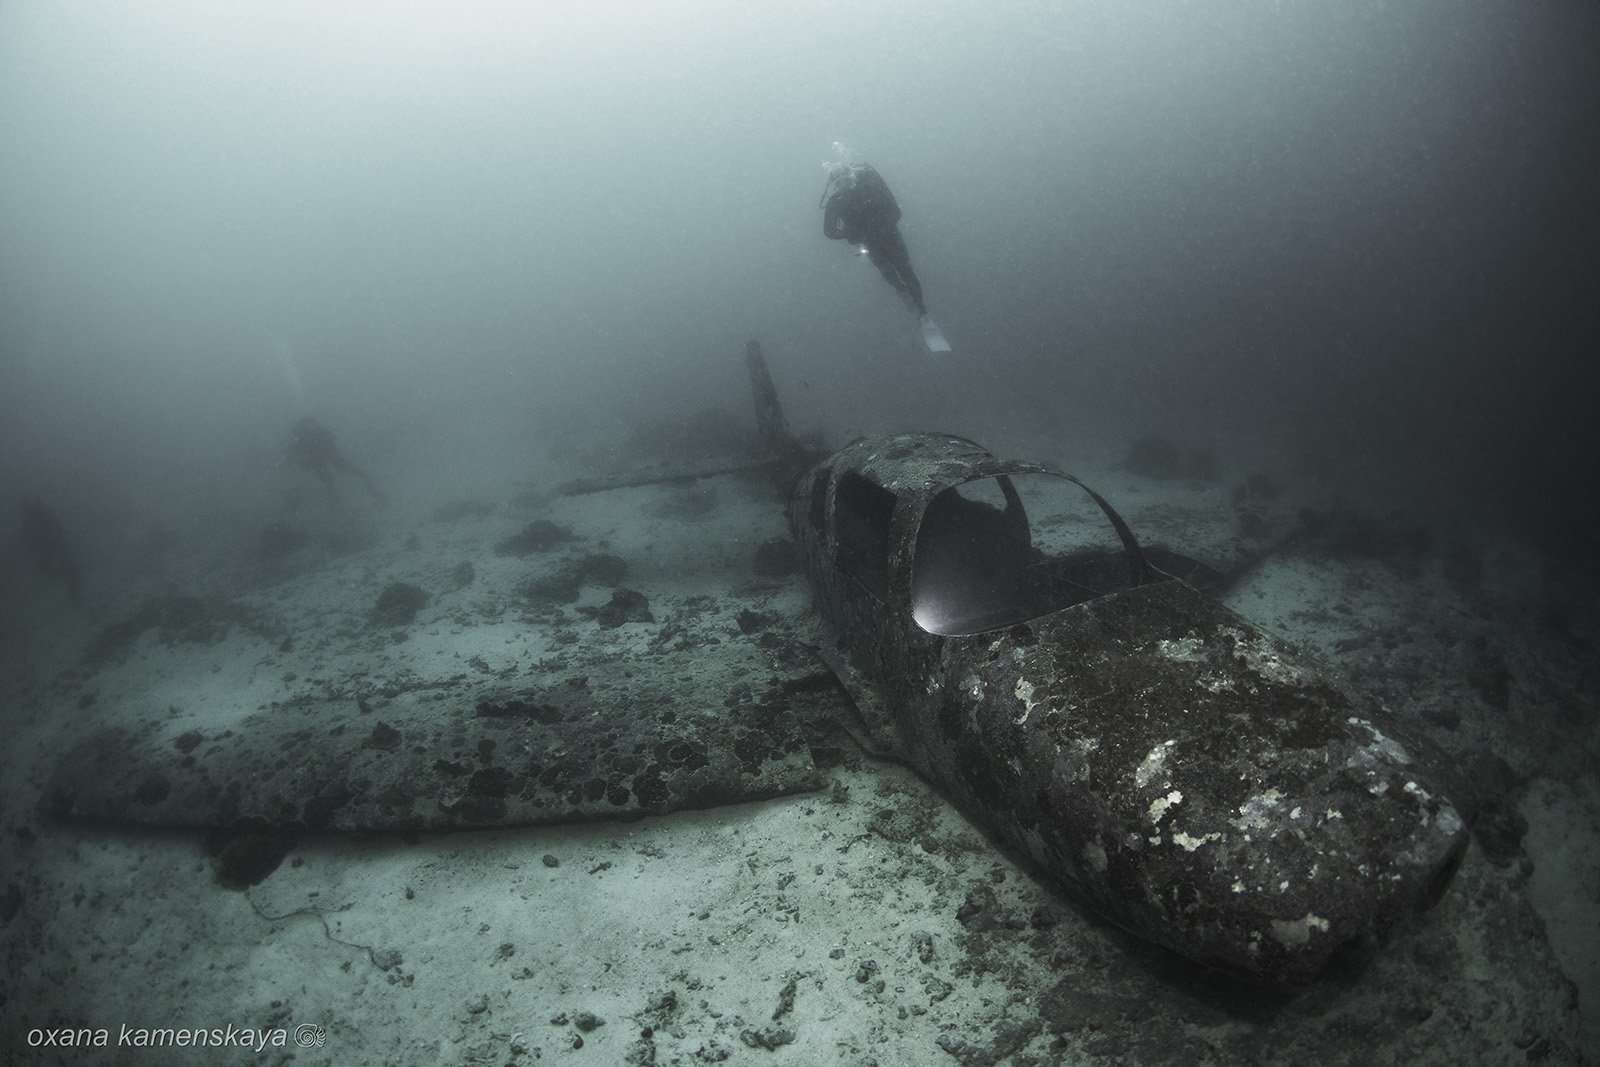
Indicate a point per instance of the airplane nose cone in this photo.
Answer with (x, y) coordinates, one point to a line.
(1324, 857)
(1210, 791)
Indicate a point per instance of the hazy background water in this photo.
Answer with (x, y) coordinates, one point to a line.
(1356, 238)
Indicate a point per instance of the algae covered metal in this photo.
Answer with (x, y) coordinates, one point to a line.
(1169, 763)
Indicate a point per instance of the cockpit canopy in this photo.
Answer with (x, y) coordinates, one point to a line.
(996, 551)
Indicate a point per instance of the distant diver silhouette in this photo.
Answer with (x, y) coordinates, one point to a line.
(45, 538)
(311, 448)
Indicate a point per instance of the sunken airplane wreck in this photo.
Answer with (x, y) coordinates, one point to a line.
(1160, 758)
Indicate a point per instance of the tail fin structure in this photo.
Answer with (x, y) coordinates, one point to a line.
(782, 456)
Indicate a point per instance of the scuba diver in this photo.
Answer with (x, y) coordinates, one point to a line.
(45, 538)
(858, 207)
(312, 449)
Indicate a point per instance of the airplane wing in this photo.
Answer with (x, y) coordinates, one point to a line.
(652, 734)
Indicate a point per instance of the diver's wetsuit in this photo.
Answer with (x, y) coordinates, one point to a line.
(858, 207)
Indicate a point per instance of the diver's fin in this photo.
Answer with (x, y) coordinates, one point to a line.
(932, 336)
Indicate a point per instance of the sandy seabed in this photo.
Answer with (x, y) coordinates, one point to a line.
(864, 923)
